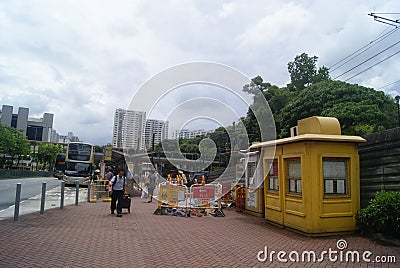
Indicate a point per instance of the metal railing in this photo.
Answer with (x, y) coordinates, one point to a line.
(43, 198)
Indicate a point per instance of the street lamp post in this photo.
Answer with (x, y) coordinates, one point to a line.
(398, 108)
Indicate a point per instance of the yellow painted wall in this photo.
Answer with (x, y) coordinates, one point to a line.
(312, 212)
(335, 213)
(273, 201)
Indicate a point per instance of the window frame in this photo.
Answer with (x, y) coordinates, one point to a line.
(346, 183)
(275, 177)
(297, 180)
(252, 166)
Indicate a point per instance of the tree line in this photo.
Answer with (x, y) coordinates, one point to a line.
(311, 92)
(14, 147)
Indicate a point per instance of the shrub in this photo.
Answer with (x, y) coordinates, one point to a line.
(382, 215)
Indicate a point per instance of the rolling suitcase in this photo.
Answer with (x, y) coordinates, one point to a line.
(126, 202)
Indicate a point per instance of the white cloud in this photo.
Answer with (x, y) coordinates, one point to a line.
(227, 9)
(82, 59)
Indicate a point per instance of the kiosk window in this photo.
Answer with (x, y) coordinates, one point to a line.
(251, 168)
(273, 182)
(294, 175)
(335, 174)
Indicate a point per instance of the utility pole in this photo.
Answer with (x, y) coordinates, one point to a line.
(233, 136)
(398, 108)
(152, 141)
(153, 138)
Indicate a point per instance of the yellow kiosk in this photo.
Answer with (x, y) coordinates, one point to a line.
(312, 181)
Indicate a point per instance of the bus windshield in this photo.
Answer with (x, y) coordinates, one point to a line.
(78, 169)
(79, 152)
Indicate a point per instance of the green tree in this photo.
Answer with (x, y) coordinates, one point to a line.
(220, 136)
(360, 110)
(277, 99)
(99, 149)
(47, 153)
(13, 143)
(250, 122)
(322, 75)
(256, 84)
(190, 147)
(303, 72)
(3, 137)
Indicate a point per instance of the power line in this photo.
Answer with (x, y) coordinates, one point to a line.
(388, 27)
(378, 39)
(389, 84)
(384, 20)
(355, 56)
(373, 65)
(387, 13)
(370, 58)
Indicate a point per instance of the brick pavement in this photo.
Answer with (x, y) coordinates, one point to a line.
(88, 236)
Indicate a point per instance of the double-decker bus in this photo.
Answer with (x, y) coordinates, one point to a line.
(79, 160)
(59, 166)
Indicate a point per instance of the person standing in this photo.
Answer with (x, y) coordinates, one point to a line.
(151, 185)
(96, 176)
(108, 177)
(109, 174)
(118, 184)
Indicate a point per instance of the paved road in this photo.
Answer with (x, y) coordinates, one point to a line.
(29, 187)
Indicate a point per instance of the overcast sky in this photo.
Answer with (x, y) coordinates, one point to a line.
(82, 59)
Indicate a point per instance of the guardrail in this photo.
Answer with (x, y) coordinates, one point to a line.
(43, 198)
(98, 189)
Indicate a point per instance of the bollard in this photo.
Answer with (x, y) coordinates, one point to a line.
(62, 195)
(89, 190)
(17, 201)
(43, 198)
(76, 192)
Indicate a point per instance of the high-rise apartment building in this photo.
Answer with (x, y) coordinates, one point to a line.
(157, 129)
(129, 129)
(35, 129)
(58, 138)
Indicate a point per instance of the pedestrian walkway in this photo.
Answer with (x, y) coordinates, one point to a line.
(89, 236)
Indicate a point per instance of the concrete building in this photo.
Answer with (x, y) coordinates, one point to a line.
(35, 129)
(129, 129)
(156, 128)
(188, 134)
(58, 138)
(55, 136)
